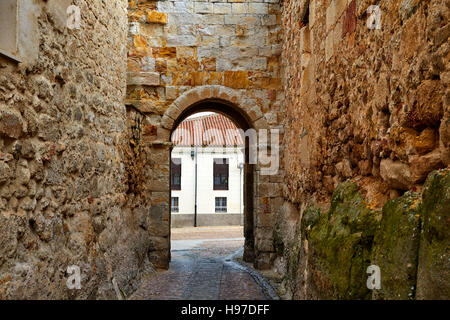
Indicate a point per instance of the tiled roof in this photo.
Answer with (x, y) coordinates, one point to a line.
(210, 130)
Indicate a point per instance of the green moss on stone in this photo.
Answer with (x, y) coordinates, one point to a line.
(340, 245)
(434, 259)
(396, 247)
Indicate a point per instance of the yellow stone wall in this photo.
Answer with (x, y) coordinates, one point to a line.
(175, 46)
(184, 52)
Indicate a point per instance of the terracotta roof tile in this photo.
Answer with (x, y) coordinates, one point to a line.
(210, 130)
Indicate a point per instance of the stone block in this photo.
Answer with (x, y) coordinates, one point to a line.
(11, 123)
(236, 79)
(143, 78)
(222, 8)
(239, 8)
(396, 174)
(204, 7)
(156, 17)
(258, 8)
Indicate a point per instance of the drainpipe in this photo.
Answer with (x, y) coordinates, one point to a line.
(195, 208)
(241, 167)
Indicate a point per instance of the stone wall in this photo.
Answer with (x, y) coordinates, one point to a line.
(325, 253)
(84, 179)
(372, 106)
(63, 188)
(182, 53)
(364, 102)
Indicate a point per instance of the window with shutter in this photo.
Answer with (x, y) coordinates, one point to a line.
(221, 173)
(221, 204)
(175, 204)
(175, 174)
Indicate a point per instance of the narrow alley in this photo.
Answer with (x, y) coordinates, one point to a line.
(204, 267)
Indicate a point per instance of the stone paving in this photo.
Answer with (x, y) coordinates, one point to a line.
(203, 269)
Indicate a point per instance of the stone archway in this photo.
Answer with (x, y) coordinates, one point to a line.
(233, 98)
(258, 218)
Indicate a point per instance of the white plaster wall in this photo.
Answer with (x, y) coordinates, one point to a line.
(205, 193)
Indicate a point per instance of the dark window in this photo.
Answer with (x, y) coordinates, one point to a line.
(221, 170)
(221, 204)
(175, 174)
(175, 204)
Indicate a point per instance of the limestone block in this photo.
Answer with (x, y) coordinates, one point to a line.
(143, 78)
(204, 7)
(258, 8)
(171, 93)
(396, 174)
(11, 123)
(236, 79)
(239, 8)
(421, 166)
(222, 8)
(156, 17)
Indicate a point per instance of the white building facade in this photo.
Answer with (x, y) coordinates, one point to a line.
(207, 178)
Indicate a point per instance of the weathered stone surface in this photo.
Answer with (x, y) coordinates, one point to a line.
(11, 123)
(393, 113)
(429, 105)
(434, 264)
(331, 249)
(326, 255)
(421, 166)
(396, 248)
(83, 179)
(396, 174)
(156, 17)
(340, 244)
(444, 141)
(143, 78)
(5, 172)
(426, 141)
(63, 186)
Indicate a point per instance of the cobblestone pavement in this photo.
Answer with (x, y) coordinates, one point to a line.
(203, 269)
(207, 233)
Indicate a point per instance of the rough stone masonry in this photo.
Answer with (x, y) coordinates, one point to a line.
(183, 52)
(63, 184)
(86, 118)
(367, 112)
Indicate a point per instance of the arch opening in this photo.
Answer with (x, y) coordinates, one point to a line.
(241, 121)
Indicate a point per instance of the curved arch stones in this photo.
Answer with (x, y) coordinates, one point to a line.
(247, 106)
